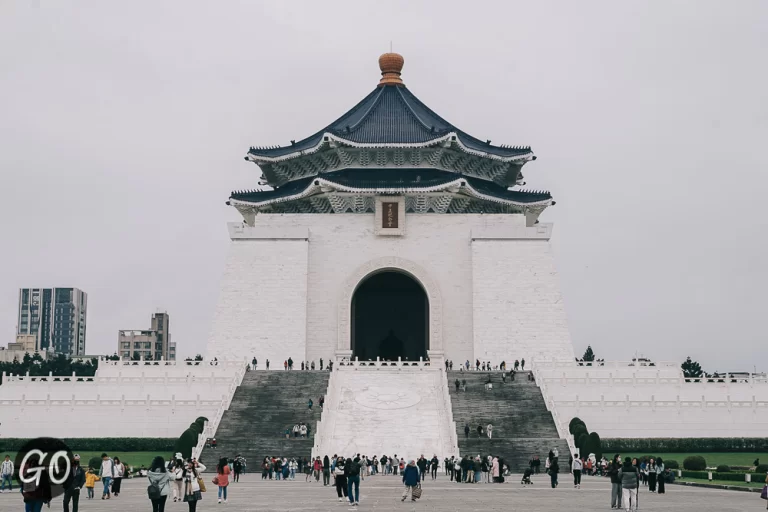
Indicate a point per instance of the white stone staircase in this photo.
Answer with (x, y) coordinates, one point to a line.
(375, 410)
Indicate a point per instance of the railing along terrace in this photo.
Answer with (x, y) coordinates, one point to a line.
(165, 380)
(210, 427)
(343, 362)
(654, 404)
(229, 363)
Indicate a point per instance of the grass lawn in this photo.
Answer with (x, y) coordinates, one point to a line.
(135, 459)
(713, 459)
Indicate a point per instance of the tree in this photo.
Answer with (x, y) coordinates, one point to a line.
(691, 369)
(589, 355)
(198, 357)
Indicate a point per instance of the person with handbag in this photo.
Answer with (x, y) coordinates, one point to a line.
(159, 484)
(193, 483)
(222, 478)
(411, 479)
(340, 479)
(117, 479)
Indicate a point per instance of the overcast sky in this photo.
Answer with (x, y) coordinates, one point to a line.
(123, 127)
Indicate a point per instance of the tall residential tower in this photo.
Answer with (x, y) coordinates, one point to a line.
(56, 317)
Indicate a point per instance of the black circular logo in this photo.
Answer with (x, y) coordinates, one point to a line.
(45, 467)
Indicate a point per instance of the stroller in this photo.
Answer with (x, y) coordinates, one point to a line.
(527, 477)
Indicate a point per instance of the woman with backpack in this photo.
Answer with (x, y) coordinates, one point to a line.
(222, 478)
(192, 489)
(159, 484)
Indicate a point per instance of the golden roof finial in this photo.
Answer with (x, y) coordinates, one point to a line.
(391, 64)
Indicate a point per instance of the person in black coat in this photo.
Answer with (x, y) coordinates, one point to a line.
(72, 485)
(326, 471)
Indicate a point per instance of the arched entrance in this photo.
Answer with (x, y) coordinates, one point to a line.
(390, 318)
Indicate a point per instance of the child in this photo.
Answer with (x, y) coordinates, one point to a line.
(90, 480)
(527, 477)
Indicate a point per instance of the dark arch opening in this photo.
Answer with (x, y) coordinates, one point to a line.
(390, 318)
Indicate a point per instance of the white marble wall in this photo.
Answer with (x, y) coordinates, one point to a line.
(280, 298)
(618, 400)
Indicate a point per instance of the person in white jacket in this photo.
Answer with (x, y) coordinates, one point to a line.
(191, 473)
(6, 474)
(576, 468)
(177, 477)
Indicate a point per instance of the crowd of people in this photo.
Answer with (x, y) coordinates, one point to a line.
(486, 366)
(288, 364)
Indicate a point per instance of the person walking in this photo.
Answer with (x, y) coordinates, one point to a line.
(177, 477)
(237, 468)
(222, 478)
(37, 492)
(326, 471)
(254, 363)
(652, 475)
(411, 479)
(576, 468)
(630, 481)
(72, 485)
(117, 480)
(466, 430)
(267, 364)
(160, 482)
(477, 468)
(340, 479)
(192, 491)
(6, 474)
(107, 472)
(422, 465)
(352, 471)
(660, 489)
(433, 466)
(522, 364)
(317, 467)
(554, 469)
(489, 431)
(90, 482)
(613, 472)
(310, 403)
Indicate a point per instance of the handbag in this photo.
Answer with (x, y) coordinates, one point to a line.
(416, 493)
(215, 480)
(201, 483)
(764, 494)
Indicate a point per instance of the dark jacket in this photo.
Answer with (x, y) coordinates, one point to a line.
(411, 475)
(326, 463)
(613, 472)
(422, 464)
(629, 477)
(477, 465)
(352, 468)
(75, 480)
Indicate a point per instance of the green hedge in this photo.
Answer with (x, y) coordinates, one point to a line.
(101, 444)
(671, 464)
(685, 445)
(727, 476)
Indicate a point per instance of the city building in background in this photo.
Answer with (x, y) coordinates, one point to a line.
(24, 344)
(149, 344)
(56, 317)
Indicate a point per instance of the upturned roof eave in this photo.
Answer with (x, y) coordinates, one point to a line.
(454, 137)
(318, 184)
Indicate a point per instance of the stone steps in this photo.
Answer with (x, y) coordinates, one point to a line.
(522, 425)
(263, 406)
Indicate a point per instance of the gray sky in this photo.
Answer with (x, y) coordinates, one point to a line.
(123, 127)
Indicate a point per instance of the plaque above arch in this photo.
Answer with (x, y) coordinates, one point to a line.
(412, 269)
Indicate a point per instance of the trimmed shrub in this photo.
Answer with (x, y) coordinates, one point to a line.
(201, 420)
(671, 464)
(594, 446)
(94, 463)
(187, 441)
(582, 443)
(196, 427)
(573, 423)
(578, 430)
(100, 444)
(699, 475)
(762, 468)
(686, 445)
(695, 463)
(722, 468)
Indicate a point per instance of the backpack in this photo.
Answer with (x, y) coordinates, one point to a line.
(153, 492)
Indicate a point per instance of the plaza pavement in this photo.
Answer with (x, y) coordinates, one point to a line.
(382, 493)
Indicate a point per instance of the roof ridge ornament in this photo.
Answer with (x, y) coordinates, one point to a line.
(391, 65)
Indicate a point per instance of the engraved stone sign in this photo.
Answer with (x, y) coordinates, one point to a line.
(389, 217)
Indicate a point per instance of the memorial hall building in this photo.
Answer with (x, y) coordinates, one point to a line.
(391, 233)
